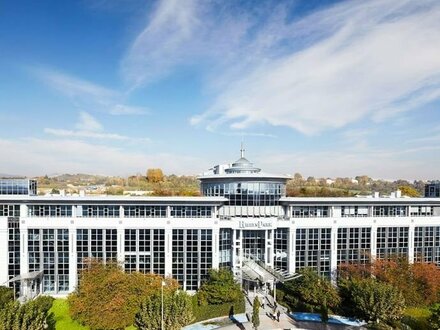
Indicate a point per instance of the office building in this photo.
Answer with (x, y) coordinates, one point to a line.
(243, 221)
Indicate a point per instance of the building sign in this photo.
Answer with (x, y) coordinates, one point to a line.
(254, 224)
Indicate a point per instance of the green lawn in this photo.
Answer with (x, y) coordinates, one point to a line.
(63, 321)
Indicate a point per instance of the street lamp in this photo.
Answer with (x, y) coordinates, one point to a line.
(163, 284)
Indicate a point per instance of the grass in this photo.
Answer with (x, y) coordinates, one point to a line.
(63, 321)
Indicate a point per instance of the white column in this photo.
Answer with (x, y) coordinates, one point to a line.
(334, 254)
(73, 277)
(291, 249)
(121, 243)
(24, 262)
(215, 247)
(411, 234)
(373, 241)
(168, 252)
(269, 246)
(4, 249)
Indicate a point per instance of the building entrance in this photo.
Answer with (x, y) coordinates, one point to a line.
(254, 244)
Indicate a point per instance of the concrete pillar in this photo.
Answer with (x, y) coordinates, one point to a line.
(373, 242)
(73, 277)
(411, 234)
(334, 254)
(4, 249)
(168, 252)
(215, 247)
(291, 250)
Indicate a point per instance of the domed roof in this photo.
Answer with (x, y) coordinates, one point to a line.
(242, 165)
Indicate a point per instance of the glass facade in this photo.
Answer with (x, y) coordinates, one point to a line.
(246, 193)
(310, 211)
(354, 211)
(48, 250)
(192, 256)
(50, 210)
(389, 211)
(392, 241)
(427, 244)
(145, 250)
(313, 249)
(281, 248)
(18, 187)
(191, 211)
(354, 245)
(100, 211)
(254, 244)
(13, 248)
(9, 210)
(95, 244)
(145, 211)
(225, 247)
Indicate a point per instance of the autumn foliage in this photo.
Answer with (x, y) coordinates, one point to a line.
(418, 282)
(108, 298)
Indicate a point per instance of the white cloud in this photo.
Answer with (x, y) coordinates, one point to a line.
(351, 61)
(93, 135)
(88, 95)
(371, 66)
(72, 156)
(160, 44)
(88, 123)
(89, 127)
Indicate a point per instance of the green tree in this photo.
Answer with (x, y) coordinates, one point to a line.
(312, 292)
(177, 312)
(434, 319)
(375, 301)
(256, 313)
(220, 288)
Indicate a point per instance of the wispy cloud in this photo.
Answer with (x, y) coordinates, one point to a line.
(88, 123)
(350, 61)
(87, 95)
(158, 47)
(88, 127)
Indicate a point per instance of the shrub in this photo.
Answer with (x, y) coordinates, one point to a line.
(6, 295)
(177, 311)
(33, 315)
(206, 312)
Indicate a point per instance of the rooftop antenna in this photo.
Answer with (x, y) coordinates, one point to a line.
(242, 149)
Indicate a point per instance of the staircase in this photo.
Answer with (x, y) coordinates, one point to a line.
(255, 269)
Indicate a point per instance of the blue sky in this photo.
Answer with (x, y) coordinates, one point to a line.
(322, 88)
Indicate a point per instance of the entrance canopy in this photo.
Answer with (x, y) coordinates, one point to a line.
(27, 276)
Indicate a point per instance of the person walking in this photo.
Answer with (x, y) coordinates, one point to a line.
(278, 315)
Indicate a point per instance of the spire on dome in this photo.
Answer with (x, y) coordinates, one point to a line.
(242, 150)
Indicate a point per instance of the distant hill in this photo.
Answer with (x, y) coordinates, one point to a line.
(8, 176)
(77, 177)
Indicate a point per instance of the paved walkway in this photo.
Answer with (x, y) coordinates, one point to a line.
(286, 322)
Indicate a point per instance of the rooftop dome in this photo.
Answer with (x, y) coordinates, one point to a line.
(242, 165)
